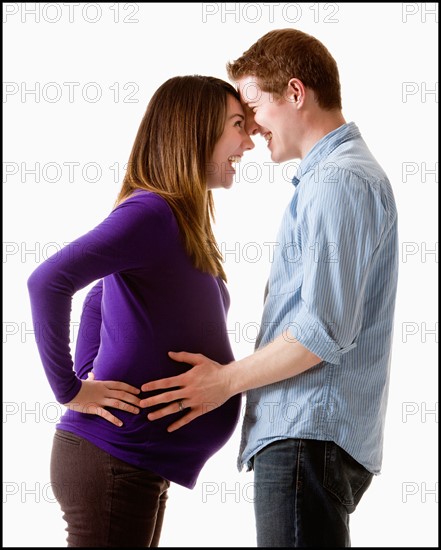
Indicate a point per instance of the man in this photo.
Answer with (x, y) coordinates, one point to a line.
(317, 384)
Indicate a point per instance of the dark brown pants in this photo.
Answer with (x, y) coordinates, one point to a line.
(105, 501)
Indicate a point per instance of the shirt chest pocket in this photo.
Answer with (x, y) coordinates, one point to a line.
(287, 273)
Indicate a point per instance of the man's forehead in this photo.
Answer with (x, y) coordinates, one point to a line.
(249, 89)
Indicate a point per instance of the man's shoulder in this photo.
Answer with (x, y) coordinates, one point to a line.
(353, 159)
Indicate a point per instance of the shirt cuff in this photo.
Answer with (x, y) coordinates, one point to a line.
(313, 335)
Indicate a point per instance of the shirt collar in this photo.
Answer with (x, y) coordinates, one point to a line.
(324, 147)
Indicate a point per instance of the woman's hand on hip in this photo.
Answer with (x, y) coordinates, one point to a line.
(96, 395)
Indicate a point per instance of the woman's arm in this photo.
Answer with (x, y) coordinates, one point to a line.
(129, 239)
(88, 339)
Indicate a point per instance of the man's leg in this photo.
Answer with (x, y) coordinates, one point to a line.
(304, 493)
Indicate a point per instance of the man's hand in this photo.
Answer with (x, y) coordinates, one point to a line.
(200, 390)
(94, 395)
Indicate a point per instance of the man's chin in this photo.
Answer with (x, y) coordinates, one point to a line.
(275, 157)
(278, 158)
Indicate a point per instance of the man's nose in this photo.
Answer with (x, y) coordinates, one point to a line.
(251, 126)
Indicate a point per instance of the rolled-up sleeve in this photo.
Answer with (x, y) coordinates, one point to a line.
(340, 226)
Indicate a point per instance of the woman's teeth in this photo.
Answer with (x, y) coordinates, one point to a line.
(234, 158)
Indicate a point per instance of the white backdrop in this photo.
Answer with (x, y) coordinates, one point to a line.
(77, 79)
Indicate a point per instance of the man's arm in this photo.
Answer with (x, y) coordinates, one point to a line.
(208, 384)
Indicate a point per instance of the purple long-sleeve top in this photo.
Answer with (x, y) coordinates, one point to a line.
(149, 300)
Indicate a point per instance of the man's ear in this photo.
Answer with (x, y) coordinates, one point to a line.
(296, 91)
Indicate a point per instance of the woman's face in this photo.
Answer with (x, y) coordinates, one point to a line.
(232, 144)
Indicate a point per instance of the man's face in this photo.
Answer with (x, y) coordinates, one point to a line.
(275, 119)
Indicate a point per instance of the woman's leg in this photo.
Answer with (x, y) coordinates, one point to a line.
(159, 520)
(105, 501)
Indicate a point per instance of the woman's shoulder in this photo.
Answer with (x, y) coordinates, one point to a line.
(148, 205)
(153, 200)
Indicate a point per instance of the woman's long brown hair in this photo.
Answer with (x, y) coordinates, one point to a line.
(171, 155)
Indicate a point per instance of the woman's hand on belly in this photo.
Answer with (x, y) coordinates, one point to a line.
(95, 395)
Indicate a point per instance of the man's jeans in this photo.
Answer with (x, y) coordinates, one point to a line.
(304, 492)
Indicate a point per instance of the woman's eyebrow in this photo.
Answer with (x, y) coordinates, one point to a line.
(236, 114)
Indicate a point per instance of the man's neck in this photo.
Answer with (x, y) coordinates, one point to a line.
(320, 124)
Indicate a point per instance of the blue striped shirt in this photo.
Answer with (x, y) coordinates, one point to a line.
(332, 286)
